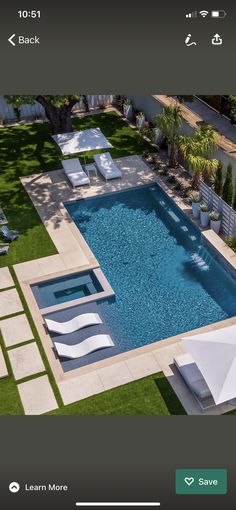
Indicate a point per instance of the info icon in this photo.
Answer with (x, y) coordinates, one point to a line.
(14, 487)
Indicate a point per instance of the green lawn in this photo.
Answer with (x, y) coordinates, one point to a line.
(28, 149)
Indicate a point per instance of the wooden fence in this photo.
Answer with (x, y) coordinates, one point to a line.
(228, 215)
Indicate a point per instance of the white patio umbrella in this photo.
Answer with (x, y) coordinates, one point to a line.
(215, 355)
(81, 141)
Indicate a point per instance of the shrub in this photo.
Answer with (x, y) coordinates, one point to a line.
(172, 179)
(218, 184)
(215, 216)
(227, 193)
(231, 242)
(195, 196)
(204, 207)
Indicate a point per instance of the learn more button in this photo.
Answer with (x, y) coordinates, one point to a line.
(201, 481)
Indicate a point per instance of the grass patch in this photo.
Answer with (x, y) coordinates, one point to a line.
(143, 397)
(29, 149)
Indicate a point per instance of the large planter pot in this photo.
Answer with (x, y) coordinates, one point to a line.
(215, 225)
(140, 122)
(196, 209)
(128, 111)
(204, 218)
(157, 135)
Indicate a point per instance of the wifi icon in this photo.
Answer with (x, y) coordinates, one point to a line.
(204, 13)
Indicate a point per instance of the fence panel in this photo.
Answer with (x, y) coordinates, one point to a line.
(32, 110)
(228, 215)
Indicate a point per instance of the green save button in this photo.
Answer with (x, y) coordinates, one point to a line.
(201, 481)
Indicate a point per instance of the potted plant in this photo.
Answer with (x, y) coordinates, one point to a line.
(204, 214)
(140, 120)
(195, 197)
(127, 109)
(215, 221)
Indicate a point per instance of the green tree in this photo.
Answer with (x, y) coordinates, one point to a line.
(169, 122)
(227, 193)
(234, 200)
(218, 184)
(57, 109)
(197, 150)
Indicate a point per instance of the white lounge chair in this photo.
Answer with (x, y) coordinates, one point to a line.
(74, 172)
(91, 344)
(78, 322)
(106, 166)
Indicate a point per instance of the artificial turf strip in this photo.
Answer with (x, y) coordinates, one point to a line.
(151, 395)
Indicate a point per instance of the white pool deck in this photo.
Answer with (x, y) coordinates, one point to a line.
(48, 191)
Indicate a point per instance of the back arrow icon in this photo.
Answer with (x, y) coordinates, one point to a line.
(10, 39)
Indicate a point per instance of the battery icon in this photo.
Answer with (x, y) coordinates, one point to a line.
(218, 14)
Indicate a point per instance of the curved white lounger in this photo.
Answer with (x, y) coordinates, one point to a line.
(93, 343)
(78, 322)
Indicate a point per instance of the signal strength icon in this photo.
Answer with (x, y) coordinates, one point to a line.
(192, 14)
(204, 13)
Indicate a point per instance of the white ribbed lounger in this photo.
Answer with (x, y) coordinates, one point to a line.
(74, 172)
(93, 343)
(106, 166)
(78, 322)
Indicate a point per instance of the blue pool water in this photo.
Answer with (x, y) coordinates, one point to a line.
(65, 288)
(165, 281)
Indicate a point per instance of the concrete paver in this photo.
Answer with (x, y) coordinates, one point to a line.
(3, 366)
(6, 279)
(37, 396)
(16, 330)
(10, 302)
(26, 360)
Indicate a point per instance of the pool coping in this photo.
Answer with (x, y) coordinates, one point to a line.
(35, 271)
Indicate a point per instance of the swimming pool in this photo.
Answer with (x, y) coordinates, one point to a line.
(165, 280)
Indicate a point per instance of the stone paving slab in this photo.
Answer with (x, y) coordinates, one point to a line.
(115, 375)
(80, 387)
(26, 360)
(6, 279)
(16, 330)
(3, 366)
(143, 365)
(165, 356)
(37, 396)
(10, 302)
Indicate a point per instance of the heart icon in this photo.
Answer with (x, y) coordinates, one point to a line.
(189, 480)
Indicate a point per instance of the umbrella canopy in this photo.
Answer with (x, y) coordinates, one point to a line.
(81, 141)
(215, 355)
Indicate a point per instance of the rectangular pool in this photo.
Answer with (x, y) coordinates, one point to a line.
(165, 280)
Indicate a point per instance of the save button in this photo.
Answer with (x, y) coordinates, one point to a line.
(201, 481)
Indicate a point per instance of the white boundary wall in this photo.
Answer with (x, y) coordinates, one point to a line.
(31, 111)
(228, 215)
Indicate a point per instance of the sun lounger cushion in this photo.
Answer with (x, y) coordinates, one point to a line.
(106, 166)
(75, 172)
(192, 375)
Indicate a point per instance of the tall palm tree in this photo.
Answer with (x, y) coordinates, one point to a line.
(196, 151)
(169, 122)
